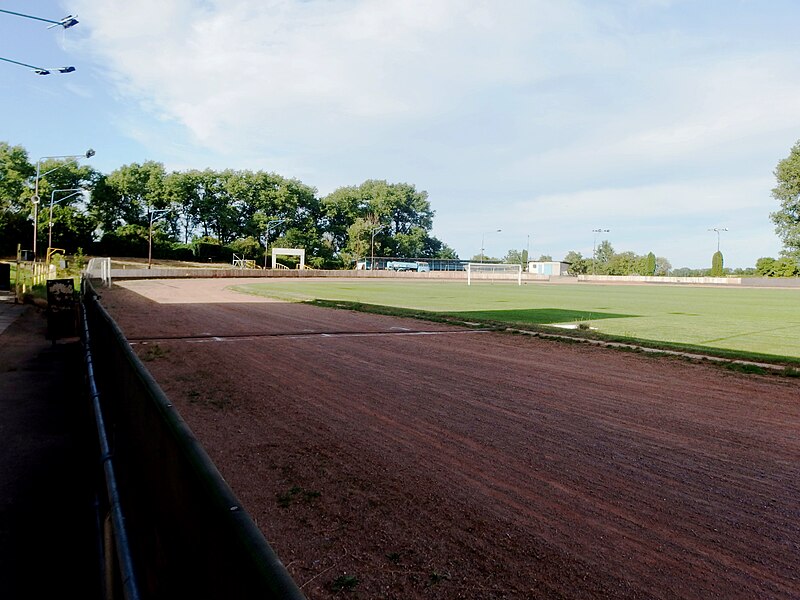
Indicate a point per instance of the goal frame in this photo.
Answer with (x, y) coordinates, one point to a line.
(495, 272)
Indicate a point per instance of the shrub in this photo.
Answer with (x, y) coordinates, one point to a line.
(717, 269)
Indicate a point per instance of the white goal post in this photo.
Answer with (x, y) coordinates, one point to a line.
(494, 272)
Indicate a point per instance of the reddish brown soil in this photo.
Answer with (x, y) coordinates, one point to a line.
(479, 465)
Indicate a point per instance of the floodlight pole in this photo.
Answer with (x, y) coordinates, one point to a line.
(483, 237)
(527, 252)
(266, 240)
(594, 247)
(372, 246)
(718, 229)
(153, 214)
(75, 192)
(35, 199)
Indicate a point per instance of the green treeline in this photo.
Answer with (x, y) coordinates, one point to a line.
(209, 214)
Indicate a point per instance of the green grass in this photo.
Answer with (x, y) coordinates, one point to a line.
(743, 321)
(40, 290)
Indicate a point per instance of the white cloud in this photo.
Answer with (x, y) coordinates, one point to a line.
(301, 69)
(590, 111)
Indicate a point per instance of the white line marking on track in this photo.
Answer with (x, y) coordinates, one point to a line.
(297, 336)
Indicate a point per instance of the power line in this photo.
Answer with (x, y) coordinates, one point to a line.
(66, 22)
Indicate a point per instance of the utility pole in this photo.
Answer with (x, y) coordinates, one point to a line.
(153, 214)
(718, 229)
(594, 247)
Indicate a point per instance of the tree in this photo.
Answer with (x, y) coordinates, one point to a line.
(663, 266)
(782, 267)
(72, 228)
(515, 257)
(15, 203)
(181, 192)
(624, 263)
(602, 256)
(15, 170)
(478, 258)
(359, 239)
(717, 269)
(128, 194)
(765, 266)
(786, 266)
(405, 211)
(578, 265)
(650, 264)
(545, 258)
(787, 192)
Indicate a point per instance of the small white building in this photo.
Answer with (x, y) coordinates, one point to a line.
(550, 267)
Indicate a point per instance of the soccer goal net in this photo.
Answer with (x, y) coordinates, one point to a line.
(493, 272)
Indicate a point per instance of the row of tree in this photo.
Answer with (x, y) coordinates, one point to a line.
(209, 213)
(215, 214)
(608, 262)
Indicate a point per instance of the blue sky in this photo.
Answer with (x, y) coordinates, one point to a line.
(655, 119)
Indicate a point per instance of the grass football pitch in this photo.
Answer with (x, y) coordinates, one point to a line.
(755, 321)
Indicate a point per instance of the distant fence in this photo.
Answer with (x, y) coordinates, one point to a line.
(660, 279)
(100, 268)
(201, 273)
(240, 262)
(455, 274)
(188, 533)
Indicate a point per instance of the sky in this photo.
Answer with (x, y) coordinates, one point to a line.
(657, 120)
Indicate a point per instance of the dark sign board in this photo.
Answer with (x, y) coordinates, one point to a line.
(5, 277)
(62, 309)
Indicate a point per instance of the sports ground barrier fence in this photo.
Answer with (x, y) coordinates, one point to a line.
(185, 534)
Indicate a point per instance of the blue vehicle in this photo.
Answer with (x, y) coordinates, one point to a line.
(399, 265)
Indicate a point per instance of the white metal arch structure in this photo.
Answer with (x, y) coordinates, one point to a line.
(290, 252)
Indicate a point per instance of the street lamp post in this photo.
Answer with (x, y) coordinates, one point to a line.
(39, 70)
(527, 253)
(374, 231)
(483, 237)
(75, 192)
(594, 247)
(266, 241)
(35, 199)
(66, 22)
(718, 229)
(153, 215)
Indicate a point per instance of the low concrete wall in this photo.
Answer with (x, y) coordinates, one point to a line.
(645, 279)
(294, 273)
(782, 282)
(789, 282)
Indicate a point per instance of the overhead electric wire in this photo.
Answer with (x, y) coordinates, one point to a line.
(40, 70)
(66, 22)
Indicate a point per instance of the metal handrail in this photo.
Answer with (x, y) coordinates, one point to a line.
(127, 571)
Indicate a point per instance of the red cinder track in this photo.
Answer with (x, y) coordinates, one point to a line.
(462, 464)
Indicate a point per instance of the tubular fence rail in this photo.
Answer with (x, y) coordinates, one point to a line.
(30, 274)
(187, 534)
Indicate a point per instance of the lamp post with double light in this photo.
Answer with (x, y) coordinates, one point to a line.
(154, 215)
(35, 199)
(718, 229)
(75, 192)
(594, 247)
(373, 232)
(270, 225)
(527, 260)
(483, 238)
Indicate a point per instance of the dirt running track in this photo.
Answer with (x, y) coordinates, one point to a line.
(390, 458)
